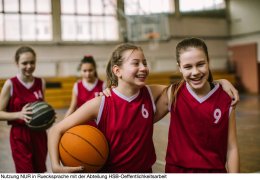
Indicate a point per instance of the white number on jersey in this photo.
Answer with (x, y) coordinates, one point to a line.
(145, 113)
(217, 115)
(38, 94)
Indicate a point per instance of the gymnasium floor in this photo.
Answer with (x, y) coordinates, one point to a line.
(248, 127)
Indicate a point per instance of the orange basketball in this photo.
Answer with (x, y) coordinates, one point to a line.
(84, 145)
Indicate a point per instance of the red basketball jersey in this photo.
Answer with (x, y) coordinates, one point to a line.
(22, 95)
(127, 124)
(84, 94)
(198, 131)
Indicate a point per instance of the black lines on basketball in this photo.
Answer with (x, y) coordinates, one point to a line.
(77, 158)
(84, 145)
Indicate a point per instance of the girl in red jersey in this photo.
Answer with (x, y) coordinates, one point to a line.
(88, 87)
(29, 147)
(202, 134)
(126, 118)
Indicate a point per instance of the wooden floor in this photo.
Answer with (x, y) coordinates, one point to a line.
(248, 127)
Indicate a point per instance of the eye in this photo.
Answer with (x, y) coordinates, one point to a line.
(187, 67)
(201, 64)
(145, 63)
(135, 63)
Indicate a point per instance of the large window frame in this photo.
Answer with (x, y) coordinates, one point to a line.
(97, 22)
(206, 8)
(119, 15)
(148, 7)
(25, 20)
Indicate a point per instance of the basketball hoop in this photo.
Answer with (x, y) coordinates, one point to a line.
(153, 38)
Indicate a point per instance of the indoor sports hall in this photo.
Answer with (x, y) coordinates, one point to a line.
(63, 31)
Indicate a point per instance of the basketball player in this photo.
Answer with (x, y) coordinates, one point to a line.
(126, 118)
(88, 87)
(202, 134)
(29, 148)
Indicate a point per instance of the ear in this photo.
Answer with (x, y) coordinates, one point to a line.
(116, 71)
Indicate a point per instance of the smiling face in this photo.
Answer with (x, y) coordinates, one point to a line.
(26, 64)
(194, 66)
(88, 72)
(134, 69)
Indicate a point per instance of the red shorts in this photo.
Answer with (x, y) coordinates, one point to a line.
(29, 149)
(178, 169)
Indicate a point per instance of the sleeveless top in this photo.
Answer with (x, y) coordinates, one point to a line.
(127, 123)
(198, 132)
(84, 94)
(21, 95)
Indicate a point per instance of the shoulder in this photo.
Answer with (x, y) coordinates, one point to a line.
(8, 83)
(96, 100)
(12, 79)
(43, 81)
(39, 80)
(94, 104)
(223, 94)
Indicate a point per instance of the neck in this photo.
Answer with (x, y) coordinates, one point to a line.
(202, 91)
(127, 91)
(90, 82)
(25, 79)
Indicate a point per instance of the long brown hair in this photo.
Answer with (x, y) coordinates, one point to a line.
(116, 58)
(181, 47)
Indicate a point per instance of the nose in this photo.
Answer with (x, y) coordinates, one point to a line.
(143, 66)
(29, 65)
(195, 71)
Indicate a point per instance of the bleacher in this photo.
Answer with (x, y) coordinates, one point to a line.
(59, 89)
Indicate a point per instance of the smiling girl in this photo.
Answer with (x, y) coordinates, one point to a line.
(29, 147)
(202, 133)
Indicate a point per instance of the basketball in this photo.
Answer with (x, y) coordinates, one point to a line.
(84, 145)
(43, 116)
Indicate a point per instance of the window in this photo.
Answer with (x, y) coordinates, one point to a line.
(25, 20)
(144, 7)
(201, 5)
(89, 20)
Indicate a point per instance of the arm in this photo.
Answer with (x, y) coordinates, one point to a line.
(230, 90)
(232, 151)
(73, 104)
(86, 112)
(10, 116)
(161, 101)
(161, 106)
(157, 90)
(43, 87)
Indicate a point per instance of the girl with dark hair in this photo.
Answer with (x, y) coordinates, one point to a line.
(202, 133)
(88, 87)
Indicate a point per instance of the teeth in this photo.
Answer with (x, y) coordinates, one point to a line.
(197, 79)
(141, 76)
